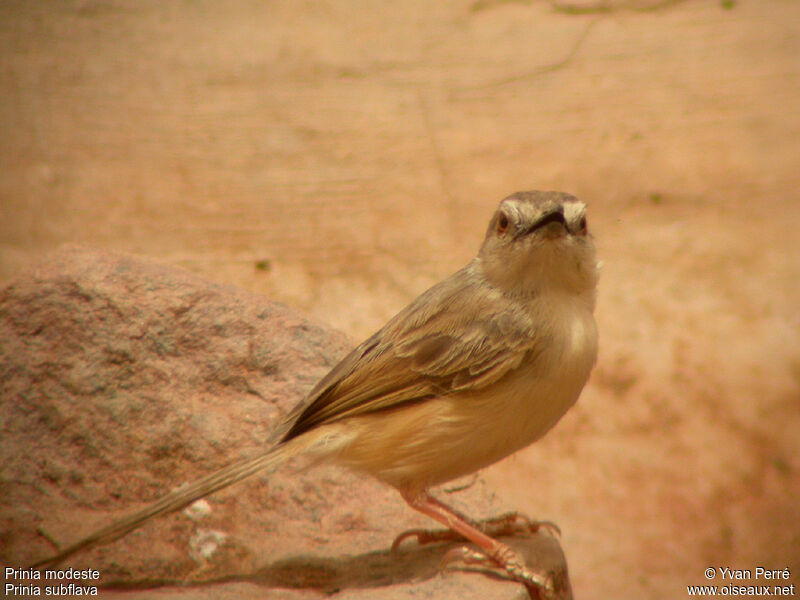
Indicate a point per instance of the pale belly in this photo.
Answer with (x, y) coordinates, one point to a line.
(441, 439)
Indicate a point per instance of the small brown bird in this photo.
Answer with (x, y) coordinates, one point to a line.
(477, 367)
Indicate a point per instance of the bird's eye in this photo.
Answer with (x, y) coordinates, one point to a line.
(582, 225)
(502, 223)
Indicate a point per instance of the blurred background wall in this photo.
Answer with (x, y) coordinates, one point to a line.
(343, 156)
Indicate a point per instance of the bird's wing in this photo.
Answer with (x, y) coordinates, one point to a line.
(452, 338)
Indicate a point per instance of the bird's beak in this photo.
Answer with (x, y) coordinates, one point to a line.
(544, 220)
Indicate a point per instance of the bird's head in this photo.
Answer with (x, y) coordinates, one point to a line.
(539, 241)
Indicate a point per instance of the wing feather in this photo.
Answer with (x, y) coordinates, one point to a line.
(417, 355)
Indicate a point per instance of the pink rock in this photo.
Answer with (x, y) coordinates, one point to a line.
(121, 378)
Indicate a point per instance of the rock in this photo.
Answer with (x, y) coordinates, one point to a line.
(122, 378)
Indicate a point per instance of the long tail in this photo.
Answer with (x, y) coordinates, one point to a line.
(180, 498)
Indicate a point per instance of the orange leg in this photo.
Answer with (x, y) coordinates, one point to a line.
(512, 523)
(496, 552)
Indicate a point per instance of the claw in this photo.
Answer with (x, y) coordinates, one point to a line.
(514, 522)
(508, 524)
(506, 564)
(467, 556)
(493, 555)
(420, 534)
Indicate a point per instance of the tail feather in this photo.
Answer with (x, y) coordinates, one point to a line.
(177, 499)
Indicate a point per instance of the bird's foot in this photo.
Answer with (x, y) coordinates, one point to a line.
(508, 524)
(514, 523)
(504, 562)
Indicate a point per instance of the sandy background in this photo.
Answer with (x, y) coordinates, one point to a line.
(341, 157)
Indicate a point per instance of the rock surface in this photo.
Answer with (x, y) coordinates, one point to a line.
(121, 378)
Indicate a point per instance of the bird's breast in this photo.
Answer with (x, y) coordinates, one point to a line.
(530, 401)
(447, 437)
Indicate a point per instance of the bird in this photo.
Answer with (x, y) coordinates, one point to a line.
(479, 366)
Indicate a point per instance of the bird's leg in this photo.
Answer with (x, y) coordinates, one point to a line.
(507, 524)
(491, 551)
